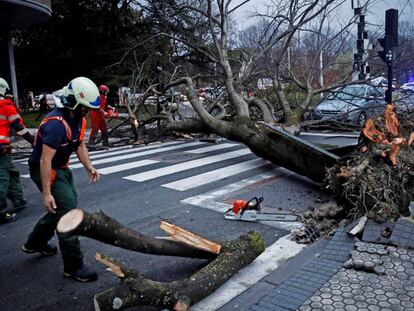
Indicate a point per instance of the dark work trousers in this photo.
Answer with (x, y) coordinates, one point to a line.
(63, 191)
(10, 186)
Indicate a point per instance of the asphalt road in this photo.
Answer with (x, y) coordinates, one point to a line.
(139, 187)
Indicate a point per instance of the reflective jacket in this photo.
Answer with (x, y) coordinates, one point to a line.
(8, 114)
(97, 114)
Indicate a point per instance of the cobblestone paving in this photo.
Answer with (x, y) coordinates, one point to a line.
(377, 277)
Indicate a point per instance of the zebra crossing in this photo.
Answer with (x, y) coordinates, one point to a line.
(144, 163)
(184, 166)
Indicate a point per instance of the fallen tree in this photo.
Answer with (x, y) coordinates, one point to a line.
(233, 115)
(134, 288)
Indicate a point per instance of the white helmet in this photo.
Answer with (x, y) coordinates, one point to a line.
(82, 91)
(4, 86)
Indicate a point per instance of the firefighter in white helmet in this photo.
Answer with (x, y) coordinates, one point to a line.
(10, 186)
(61, 133)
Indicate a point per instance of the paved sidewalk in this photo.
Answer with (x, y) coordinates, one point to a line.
(343, 273)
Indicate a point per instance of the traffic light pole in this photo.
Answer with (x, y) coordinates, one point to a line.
(389, 42)
(388, 93)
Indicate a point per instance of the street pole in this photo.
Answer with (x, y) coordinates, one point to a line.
(389, 42)
(321, 70)
(388, 94)
(12, 69)
(362, 69)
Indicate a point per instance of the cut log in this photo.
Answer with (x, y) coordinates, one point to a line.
(187, 237)
(136, 290)
(105, 229)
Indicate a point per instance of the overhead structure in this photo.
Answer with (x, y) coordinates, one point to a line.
(361, 68)
(15, 14)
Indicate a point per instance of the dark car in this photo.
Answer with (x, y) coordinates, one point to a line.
(352, 103)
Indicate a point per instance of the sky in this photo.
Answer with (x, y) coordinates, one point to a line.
(375, 14)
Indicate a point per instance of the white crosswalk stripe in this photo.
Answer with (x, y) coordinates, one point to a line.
(136, 152)
(139, 159)
(139, 154)
(74, 157)
(163, 171)
(124, 151)
(211, 148)
(125, 166)
(206, 178)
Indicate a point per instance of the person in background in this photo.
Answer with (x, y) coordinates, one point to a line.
(10, 186)
(61, 133)
(43, 107)
(98, 119)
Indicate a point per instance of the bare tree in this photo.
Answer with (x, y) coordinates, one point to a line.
(265, 55)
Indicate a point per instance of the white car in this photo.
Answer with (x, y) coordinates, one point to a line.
(408, 87)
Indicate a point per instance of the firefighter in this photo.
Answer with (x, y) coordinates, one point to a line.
(98, 118)
(61, 133)
(10, 186)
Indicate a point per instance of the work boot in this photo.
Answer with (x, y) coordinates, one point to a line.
(105, 140)
(46, 250)
(83, 274)
(18, 206)
(7, 217)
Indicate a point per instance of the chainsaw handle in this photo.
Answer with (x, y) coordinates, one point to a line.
(258, 201)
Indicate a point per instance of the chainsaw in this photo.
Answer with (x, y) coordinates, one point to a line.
(252, 211)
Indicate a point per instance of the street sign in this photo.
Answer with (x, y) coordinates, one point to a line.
(264, 83)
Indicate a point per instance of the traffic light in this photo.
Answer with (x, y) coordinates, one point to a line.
(386, 53)
(391, 26)
(390, 40)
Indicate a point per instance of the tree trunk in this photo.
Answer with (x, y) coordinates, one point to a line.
(135, 289)
(279, 147)
(105, 229)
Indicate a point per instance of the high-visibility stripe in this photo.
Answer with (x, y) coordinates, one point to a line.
(6, 138)
(163, 171)
(3, 118)
(83, 129)
(13, 117)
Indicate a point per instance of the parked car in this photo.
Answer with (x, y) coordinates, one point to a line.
(352, 103)
(383, 82)
(407, 87)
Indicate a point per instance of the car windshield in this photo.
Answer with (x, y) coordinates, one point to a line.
(347, 93)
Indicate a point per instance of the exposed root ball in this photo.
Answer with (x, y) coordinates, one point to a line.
(376, 180)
